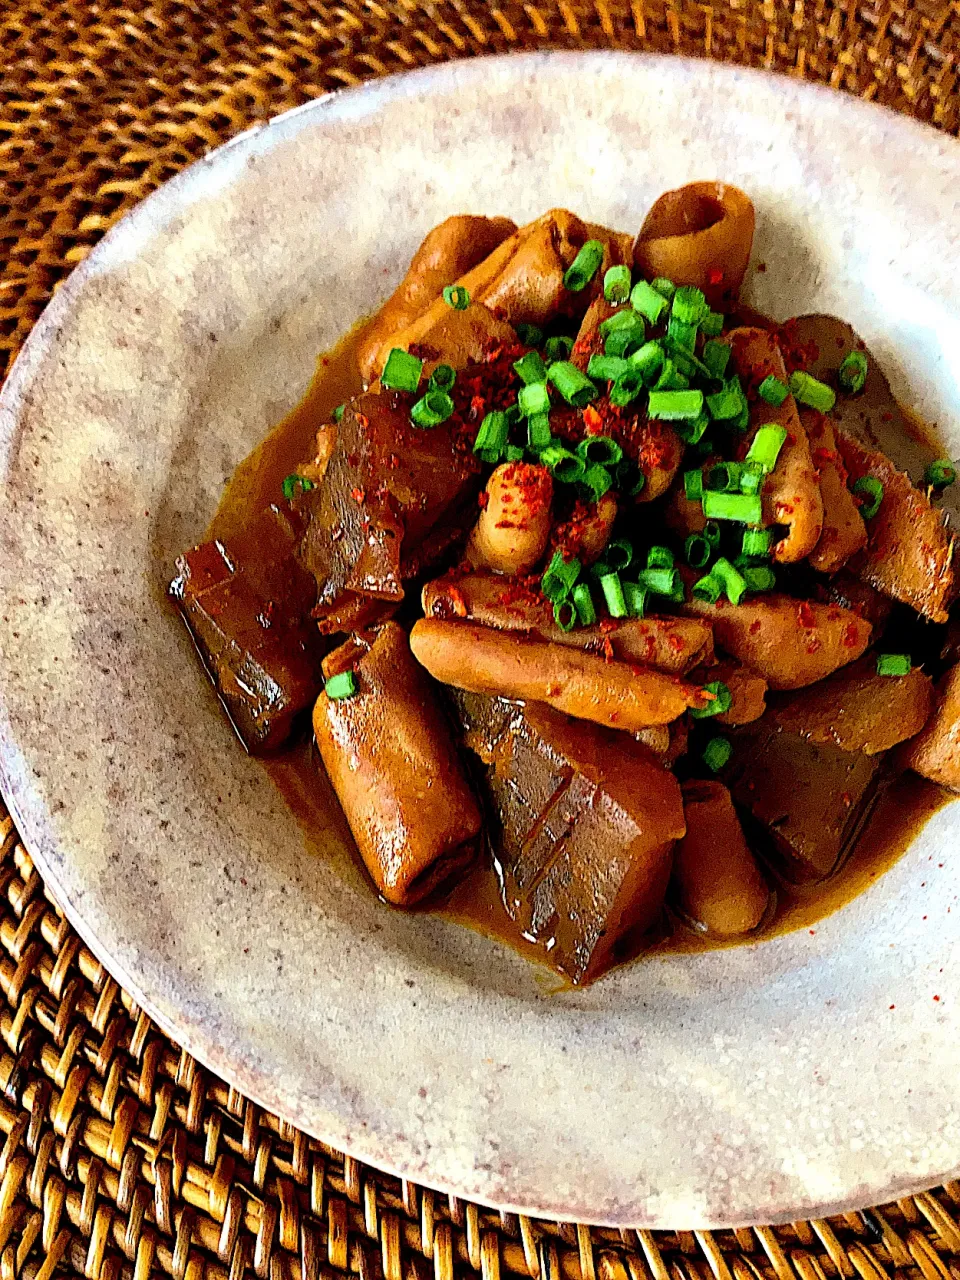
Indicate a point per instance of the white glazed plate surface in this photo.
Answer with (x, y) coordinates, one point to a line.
(767, 1082)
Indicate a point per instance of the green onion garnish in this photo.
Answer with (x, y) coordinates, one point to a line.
(773, 391)
(648, 361)
(723, 477)
(636, 599)
(341, 686)
(627, 321)
(648, 301)
(722, 701)
(432, 409)
(575, 387)
(456, 296)
(717, 753)
(583, 602)
(442, 378)
(538, 431)
(693, 485)
(711, 531)
(613, 595)
(682, 335)
(600, 449)
(893, 664)
(492, 436)
(666, 288)
(534, 400)
(558, 347)
(711, 323)
(766, 446)
(294, 484)
(759, 577)
(689, 304)
(598, 569)
(598, 479)
(623, 342)
(662, 582)
(692, 430)
(562, 464)
(584, 267)
(626, 388)
(716, 356)
(659, 557)
(606, 368)
(746, 508)
(402, 371)
(530, 368)
(852, 373)
(812, 391)
(733, 580)
(757, 542)
(530, 335)
(616, 284)
(338, 413)
(674, 406)
(512, 453)
(726, 404)
(697, 550)
(565, 614)
(671, 379)
(618, 554)
(638, 485)
(742, 420)
(751, 477)
(557, 582)
(708, 589)
(940, 473)
(872, 491)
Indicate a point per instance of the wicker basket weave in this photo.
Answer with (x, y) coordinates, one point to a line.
(121, 1156)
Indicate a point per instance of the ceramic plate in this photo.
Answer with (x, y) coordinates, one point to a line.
(767, 1082)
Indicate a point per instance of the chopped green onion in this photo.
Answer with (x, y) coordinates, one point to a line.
(894, 664)
(757, 542)
(616, 284)
(671, 379)
(338, 413)
(402, 371)
(693, 485)
(727, 403)
(711, 531)
(697, 550)
(692, 430)
(627, 321)
(648, 301)
(598, 569)
(530, 335)
(623, 342)
(575, 387)
(442, 378)
(751, 477)
(492, 436)
(940, 473)
(746, 508)
(584, 267)
(530, 368)
(766, 446)
(562, 464)
(598, 479)
(722, 701)
(456, 296)
(558, 347)
(673, 406)
(560, 576)
(613, 595)
(600, 449)
(648, 361)
(618, 554)
(662, 582)
(742, 420)
(606, 368)
(583, 603)
(773, 391)
(638, 485)
(812, 391)
(717, 753)
(565, 614)
(759, 577)
(732, 579)
(294, 484)
(685, 360)
(340, 686)
(708, 589)
(512, 453)
(432, 409)
(684, 335)
(666, 288)
(513, 414)
(534, 400)
(659, 557)
(716, 356)
(636, 599)
(723, 477)
(711, 323)
(872, 491)
(689, 304)
(852, 373)
(538, 431)
(626, 388)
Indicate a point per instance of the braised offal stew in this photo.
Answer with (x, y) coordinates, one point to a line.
(594, 579)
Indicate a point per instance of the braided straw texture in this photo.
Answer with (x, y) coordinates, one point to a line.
(121, 1156)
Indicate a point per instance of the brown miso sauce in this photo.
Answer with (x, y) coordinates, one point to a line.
(901, 813)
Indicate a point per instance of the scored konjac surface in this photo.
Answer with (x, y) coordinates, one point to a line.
(638, 613)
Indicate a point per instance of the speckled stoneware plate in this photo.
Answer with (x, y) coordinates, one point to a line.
(768, 1082)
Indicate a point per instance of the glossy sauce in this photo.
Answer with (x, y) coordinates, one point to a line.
(902, 811)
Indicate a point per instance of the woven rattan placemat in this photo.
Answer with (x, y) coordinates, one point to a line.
(121, 1155)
